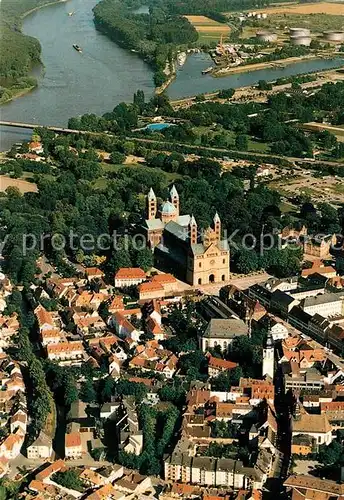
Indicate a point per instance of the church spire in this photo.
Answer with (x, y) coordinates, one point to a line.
(217, 226)
(193, 230)
(151, 205)
(175, 198)
(151, 194)
(268, 355)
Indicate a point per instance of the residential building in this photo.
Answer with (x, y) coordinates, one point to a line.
(127, 424)
(73, 445)
(11, 445)
(41, 447)
(124, 328)
(304, 487)
(326, 305)
(129, 276)
(93, 273)
(313, 425)
(218, 365)
(66, 352)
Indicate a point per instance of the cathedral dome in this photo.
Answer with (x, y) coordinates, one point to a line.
(168, 208)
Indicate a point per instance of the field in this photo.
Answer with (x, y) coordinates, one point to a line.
(318, 17)
(306, 9)
(22, 185)
(208, 29)
(337, 131)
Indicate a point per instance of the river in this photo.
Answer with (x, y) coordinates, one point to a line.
(104, 74)
(72, 83)
(191, 82)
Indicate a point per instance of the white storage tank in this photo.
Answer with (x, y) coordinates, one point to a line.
(299, 32)
(301, 40)
(334, 36)
(266, 36)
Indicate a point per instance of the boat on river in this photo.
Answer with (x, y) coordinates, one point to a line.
(71, 13)
(77, 47)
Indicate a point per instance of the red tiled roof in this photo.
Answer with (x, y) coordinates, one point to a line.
(221, 364)
(93, 271)
(73, 439)
(50, 469)
(164, 278)
(130, 273)
(150, 287)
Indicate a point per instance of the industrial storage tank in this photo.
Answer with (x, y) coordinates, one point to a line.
(301, 40)
(266, 36)
(334, 36)
(299, 32)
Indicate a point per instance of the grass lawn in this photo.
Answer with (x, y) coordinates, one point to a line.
(286, 207)
(50, 424)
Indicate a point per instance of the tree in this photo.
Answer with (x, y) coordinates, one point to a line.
(227, 379)
(87, 392)
(144, 259)
(264, 85)
(139, 100)
(241, 142)
(246, 261)
(330, 454)
(68, 479)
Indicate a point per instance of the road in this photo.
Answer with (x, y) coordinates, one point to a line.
(240, 282)
(268, 158)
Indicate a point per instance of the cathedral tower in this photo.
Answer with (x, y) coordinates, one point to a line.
(217, 226)
(151, 205)
(175, 198)
(268, 356)
(193, 230)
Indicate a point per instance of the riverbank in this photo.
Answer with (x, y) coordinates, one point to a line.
(41, 6)
(10, 94)
(218, 73)
(14, 18)
(251, 92)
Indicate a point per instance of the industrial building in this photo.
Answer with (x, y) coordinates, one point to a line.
(334, 36)
(301, 40)
(266, 36)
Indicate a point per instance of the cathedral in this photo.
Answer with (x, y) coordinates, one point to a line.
(195, 257)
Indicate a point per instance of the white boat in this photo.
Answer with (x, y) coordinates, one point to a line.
(71, 13)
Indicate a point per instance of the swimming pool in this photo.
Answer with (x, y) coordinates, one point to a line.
(157, 126)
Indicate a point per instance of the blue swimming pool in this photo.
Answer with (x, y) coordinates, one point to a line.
(158, 126)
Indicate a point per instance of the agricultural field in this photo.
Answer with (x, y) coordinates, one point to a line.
(318, 17)
(308, 8)
(208, 30)
(338, 131)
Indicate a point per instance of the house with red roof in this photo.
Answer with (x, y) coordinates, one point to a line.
(218, 365)
(124, 328)
(129, 276)
(73, 445)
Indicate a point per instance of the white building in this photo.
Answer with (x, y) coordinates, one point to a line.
(41, 447)
(129, 276)
(268, 357)
(326, 305)
(222, 332)
(315, 426)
